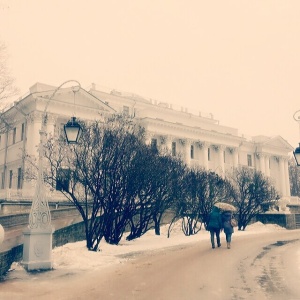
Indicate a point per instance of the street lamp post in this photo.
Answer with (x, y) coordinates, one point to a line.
(296, 153)
(37, 247)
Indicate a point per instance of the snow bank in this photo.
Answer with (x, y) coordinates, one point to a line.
(76, 256)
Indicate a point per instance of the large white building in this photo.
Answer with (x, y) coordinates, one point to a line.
(199, 140)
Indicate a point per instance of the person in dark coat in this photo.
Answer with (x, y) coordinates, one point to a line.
(228, 228)
(214, 226)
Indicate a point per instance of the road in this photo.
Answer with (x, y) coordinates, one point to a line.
(260, 266)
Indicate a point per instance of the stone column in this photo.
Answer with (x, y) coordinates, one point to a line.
(221, 167)
(51, 123)
(221, 150)
(267, 165)
(235, 157)
(204, 150)
(161, 141)
(198, 151)
(168, 144)
(187, 152)
(262, 165)
(148, 138)
(282, 176)
(34, 123)
(287, 179)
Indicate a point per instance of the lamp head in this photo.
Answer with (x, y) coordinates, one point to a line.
(72, 131)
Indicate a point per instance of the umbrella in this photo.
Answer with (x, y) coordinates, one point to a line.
(225, 206)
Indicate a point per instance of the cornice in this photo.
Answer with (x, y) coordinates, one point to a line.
(197, 130)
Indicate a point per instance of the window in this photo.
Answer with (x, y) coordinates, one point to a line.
(249, 160)
(192, 151)
(19, 186)
(154, 144)
(2, 180)
(22, 131)
(126, 110)
(208, 154)
(14, 135)
(62, 179)
(173, 148)
(10, 179)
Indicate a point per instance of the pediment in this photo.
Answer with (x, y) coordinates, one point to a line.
(65, 96)
(272, 142)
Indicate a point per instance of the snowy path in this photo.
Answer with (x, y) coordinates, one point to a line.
(262, 264)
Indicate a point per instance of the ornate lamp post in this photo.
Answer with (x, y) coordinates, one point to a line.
(37, 247)
(296, 153)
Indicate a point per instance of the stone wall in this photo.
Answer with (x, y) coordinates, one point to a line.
(8, 257)
(294, 209)
(284, 220)
(19, 207)
(23, 218)
(70, 234)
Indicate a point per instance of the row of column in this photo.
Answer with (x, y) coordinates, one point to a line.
(281, 170)
(261, 161)
(183, 146)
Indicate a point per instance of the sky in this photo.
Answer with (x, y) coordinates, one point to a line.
(238, 60)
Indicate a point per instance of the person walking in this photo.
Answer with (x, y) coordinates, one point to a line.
(214, 226)
(228, 227)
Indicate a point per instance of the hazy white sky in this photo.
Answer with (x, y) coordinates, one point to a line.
(238, 60)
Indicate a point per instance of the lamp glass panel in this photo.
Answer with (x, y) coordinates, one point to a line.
(72, 134)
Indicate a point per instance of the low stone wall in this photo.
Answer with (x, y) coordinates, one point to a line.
(8, 257)
(284, 220)
(294, 208)
(23, 218)
(19, 207)
(70, 234)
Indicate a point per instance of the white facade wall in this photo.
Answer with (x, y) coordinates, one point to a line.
(226, 148)
(215, 147)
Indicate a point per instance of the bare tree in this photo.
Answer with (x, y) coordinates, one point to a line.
(202, 189)
(125, 143)
(7, 88)
(141, 176)
(168, 186)
(93, 176)
(253, 194)
(158, 181)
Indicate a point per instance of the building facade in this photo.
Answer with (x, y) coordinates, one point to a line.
(197, 139)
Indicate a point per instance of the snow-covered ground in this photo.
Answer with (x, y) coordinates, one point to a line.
(76, 256)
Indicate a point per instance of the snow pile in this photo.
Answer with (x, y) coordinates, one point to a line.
(76, 256)
(260, 227)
